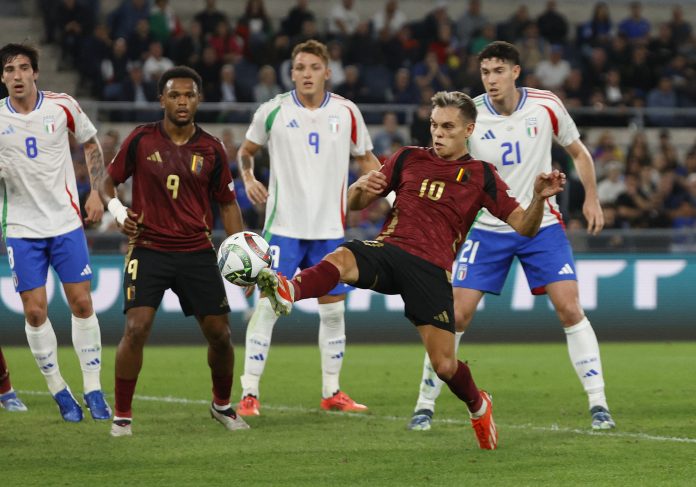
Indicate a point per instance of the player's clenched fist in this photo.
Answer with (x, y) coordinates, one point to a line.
(372, 182)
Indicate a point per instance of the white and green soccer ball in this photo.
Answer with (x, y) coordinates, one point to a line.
(241, 256)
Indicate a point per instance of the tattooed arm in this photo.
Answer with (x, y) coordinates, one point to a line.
(95, 166)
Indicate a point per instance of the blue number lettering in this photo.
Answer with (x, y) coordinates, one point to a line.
(516, 157)
(32, 150)
(314, 141)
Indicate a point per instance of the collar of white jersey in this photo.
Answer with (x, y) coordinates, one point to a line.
(39, 101)
(324, 102)
(520, 103)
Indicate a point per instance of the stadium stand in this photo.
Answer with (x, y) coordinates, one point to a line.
(626, 65)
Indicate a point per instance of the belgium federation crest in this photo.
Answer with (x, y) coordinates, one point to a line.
(333, 123)
(532, 129)
(196, 163)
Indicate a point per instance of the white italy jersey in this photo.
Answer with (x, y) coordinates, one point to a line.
(310, 152)
(520, 147)
(38, 189)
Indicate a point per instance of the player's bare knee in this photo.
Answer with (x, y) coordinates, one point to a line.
(569, 314)
(344, 260)
(220, 339)
(462, 319)
(136, 334)
(81, 306)
(445, 368)
(35, 315)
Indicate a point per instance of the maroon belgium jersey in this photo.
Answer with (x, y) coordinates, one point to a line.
(438, 200)
(173, 185)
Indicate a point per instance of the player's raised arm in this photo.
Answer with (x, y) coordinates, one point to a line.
(255, 190)
(95, 166)
(527, 222)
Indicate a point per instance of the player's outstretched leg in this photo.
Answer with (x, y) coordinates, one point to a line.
(583, 350)
(86, 337)
(332, 347)
(479, 404)
(429, 391)
(258, 343)
(278, 289)
(44, 347)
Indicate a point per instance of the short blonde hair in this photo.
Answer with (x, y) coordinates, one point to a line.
(312, 47)
(457, 99)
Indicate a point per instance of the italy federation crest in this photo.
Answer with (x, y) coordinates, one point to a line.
(333, 123)
(49, 124)
(532, 129)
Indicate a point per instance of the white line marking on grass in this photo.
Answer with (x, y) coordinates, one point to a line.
(525, 427)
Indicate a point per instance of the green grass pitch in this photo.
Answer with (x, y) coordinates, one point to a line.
(539, 407)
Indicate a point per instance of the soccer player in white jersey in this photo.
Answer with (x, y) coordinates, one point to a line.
(311, 134)
(41, 221)
(514, 130)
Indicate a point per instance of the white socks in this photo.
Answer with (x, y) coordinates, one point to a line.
(44, 347)
(583, 350)
(431, 385)
(332, 345)
(86, 338)
(258, 341)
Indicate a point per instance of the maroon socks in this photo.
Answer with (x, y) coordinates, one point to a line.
(463, 386)
(316, 281)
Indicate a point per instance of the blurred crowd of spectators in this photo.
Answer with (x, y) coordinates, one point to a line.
(243, 56)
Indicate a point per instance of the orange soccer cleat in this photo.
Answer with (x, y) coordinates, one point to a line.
(249, 406)
(278, 289)
(341, 401)
(484, 426)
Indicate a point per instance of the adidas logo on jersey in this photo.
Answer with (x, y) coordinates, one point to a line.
(293, 124)
(9, 130)
(566, 269)
(87, 271)
(488, 135)
(154, 157)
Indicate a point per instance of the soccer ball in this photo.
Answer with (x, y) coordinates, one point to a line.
(241, 256)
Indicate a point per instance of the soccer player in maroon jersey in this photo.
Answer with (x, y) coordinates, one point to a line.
(176, 168)
(8, 396)
(439, 191)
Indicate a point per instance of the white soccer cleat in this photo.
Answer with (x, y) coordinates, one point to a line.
(228, 418)
(421, 420)
(121, 427)
(601, 419)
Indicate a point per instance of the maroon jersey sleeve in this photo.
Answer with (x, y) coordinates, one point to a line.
(221, 184)
(392, 169)
(123, 163)
(496, 193)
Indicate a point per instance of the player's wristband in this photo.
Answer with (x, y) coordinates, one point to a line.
(118, 211)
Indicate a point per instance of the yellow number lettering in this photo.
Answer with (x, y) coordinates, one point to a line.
(173, 185)
(132, 269)
(434, 189)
